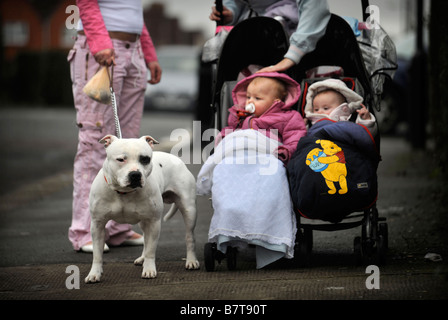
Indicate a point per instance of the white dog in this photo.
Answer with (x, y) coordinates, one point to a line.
(132, 187)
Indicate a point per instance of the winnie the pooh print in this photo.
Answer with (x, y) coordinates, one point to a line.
(330, 162)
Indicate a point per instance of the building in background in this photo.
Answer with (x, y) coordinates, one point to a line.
(167, 31)
(41, 25)
(36, 36)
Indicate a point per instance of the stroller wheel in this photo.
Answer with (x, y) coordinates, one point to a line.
(209, 256)
(369, 234)
(357, 250)
(383, 242)
(384, 233)
(374, 239)
(309, 240)
(306, 243)
(303, 247)
(231, 257)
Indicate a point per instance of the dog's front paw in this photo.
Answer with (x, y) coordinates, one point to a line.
(93, 277)
(149, 274)
(192, 265)
(139, 261)
(149, 269)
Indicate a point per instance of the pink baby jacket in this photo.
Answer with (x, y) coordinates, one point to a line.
(280, 121)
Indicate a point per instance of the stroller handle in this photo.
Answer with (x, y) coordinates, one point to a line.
(365, 5)
(219, 7)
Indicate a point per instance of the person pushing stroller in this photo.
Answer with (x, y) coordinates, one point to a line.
(306, 22)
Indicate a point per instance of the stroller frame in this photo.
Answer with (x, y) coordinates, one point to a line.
(372, 245)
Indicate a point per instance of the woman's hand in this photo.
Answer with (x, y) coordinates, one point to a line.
(156, 72)
(227, 15)
(283, 65)
(105, 57)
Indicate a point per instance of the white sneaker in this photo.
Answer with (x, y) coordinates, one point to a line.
(88, 248)
(133, 242)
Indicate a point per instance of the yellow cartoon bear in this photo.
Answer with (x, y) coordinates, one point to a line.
(330, 161)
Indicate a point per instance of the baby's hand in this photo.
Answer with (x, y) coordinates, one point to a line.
(363, 112)
(280, 154)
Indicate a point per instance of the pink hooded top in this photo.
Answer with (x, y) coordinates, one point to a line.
(280, 116)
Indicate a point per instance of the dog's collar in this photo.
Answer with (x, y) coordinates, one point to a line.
(119, 192)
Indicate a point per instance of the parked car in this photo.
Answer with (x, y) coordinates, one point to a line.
(178, 89)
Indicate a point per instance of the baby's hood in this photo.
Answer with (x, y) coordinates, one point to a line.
(292, 87)
(354, 100)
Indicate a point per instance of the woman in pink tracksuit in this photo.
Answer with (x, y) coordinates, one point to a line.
(109, 32)
(277, 114)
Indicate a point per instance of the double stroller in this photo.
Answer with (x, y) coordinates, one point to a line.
(362, 63)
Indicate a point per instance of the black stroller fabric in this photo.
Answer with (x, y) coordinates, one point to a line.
(333, 171)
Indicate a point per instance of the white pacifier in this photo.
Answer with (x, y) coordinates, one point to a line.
(250, 108)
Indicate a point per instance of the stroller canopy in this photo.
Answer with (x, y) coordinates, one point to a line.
(259, 40)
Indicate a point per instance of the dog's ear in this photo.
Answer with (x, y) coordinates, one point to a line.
(107, 140)
(150, 140)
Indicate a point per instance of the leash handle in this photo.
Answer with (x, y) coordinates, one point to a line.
(114, 103)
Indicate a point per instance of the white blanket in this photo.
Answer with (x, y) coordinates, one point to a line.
(250, 195)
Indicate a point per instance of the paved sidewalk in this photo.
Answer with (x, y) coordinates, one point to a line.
(35, 252)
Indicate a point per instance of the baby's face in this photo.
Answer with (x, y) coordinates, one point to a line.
(262, 93)
(325, 102)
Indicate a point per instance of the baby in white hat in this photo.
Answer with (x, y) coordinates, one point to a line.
(332, 99)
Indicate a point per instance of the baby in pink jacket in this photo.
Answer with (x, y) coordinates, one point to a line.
(264, 101)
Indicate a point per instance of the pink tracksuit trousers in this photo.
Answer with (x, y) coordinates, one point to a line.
(95, 120)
